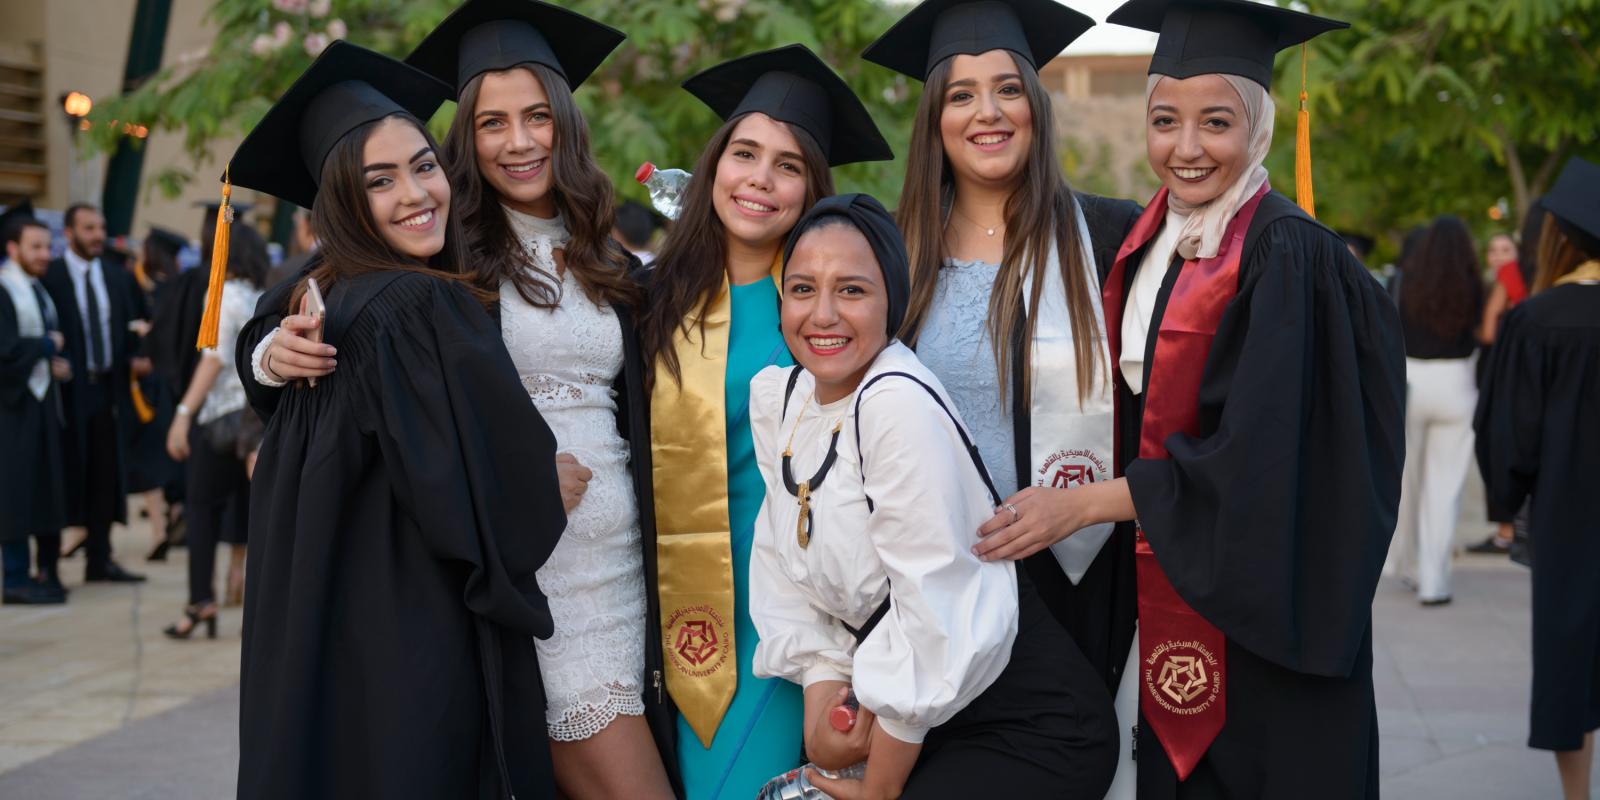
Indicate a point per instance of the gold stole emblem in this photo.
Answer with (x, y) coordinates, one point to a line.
(689, 451)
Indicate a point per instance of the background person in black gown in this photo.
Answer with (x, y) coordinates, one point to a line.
(1538, 425)
(151, 472)
(402, 506)
(96, 303)
(31, 502)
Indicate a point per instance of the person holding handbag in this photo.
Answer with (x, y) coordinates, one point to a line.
(203, 436)
(863, 573)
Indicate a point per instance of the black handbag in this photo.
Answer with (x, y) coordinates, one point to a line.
(222, 433)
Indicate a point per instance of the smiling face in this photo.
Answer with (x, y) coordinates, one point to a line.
(835, 310)
(406, 188)
(986, 124)
(514, 133)
(1196, 136)
(760, 188)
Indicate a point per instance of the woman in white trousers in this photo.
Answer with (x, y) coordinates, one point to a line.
(1440, 297)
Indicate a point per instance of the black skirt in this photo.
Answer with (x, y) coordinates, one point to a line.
(1045, 728)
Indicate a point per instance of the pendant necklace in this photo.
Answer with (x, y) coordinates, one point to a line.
(988, 230)
(802, 491)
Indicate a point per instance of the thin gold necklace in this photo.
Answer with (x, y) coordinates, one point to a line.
(802, 491)
(980, 226)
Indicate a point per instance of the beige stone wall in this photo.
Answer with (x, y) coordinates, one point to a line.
(83, 46)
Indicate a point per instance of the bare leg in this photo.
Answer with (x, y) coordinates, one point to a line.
(618, 762)
(1572, 764)
(155, 505)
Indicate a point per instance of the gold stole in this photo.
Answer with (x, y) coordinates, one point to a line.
(694, 557)
(1586, 272)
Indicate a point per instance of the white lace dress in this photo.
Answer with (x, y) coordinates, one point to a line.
(567, 357)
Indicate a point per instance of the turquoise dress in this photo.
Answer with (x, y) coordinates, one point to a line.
(760, 736)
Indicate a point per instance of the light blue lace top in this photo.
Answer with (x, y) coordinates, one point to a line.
(955, 345)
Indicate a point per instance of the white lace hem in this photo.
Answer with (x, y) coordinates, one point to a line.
(584, 720)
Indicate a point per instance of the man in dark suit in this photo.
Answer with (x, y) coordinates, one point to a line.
(95, 302)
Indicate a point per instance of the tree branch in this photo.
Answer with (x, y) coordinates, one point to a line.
(1547, 170)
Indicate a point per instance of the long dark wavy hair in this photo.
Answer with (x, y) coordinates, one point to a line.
(688, 272)
(1041, 212)
(352, 241)
(582, 192)
(1443, 292)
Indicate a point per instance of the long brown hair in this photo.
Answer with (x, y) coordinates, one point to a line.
(1559, 253)
(1442, 292)
(689, 270)
(1042, 209)
(582, 193)
(352, 242)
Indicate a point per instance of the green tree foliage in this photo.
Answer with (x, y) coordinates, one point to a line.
(634, 107)
(1446, 106)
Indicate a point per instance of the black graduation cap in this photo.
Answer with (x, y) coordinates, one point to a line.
(345, 88)
(792, 85)
(937, 29)
(485, 35)
(1360, 241)
(1575, 199)
(170, 240)
(1235, 37)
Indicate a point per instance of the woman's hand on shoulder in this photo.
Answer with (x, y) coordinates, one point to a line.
(293, 354)
(1037, 517)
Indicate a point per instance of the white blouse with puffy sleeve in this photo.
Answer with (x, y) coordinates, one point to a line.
(953, 618)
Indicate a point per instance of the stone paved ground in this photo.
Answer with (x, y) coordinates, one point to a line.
(95, 703)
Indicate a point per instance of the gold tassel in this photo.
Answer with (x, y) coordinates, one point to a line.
(219, 270)
(141, 406)
(1302, 148)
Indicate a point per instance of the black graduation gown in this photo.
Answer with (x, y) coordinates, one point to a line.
(175, 325)
(399, 511)
(1274, 522)
(1538, 440)
(633, 424)
(75, 443)
(149, 466)
(31, 491)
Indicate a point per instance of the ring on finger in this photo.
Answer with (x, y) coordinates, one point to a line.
(1013, 509)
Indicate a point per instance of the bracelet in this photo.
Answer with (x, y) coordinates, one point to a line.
(184, 411)
(258, 359)
(266, 366)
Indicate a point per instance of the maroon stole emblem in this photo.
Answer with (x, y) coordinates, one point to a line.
(1182, 672)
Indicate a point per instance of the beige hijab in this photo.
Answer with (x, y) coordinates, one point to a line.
(1204, 224)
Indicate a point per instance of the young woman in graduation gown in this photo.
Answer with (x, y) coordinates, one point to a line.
(1538, 442)
(403, 504)
(1260, 384)
(711, 325)
(863, 572)
(1006, 264)
(537, 213)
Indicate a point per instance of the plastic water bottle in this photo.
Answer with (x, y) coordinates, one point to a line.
(794, 785)
(666, 187)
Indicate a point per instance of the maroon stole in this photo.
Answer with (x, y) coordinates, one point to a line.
(1181, 655)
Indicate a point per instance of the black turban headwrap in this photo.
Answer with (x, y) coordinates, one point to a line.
(867, 215)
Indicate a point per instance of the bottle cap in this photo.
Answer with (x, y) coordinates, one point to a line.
(645, 171)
